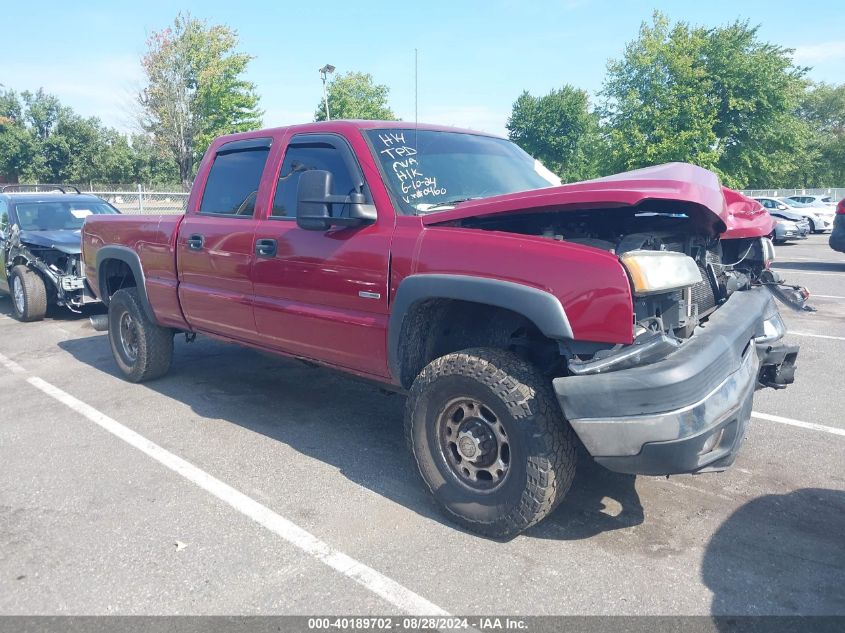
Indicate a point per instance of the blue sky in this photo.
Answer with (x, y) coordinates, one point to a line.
(475, 57)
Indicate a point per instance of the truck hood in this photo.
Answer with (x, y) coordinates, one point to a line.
(69, 242)
(717, 208)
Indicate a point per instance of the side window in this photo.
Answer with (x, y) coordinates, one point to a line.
(301, 157)
(4, 216)
(233, 182)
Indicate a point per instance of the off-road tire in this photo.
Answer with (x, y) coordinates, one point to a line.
(154, 343)
(34, 294)
(542, 444)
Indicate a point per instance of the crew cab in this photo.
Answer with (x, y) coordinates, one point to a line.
(630, 314)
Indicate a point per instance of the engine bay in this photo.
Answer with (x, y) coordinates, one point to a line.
(725, 266)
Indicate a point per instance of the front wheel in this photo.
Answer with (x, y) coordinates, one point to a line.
(29, 294)
(489, 440)
(142, 349)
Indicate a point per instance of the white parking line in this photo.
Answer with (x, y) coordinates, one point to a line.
(386, 588)
(802, 425)
(826, 296)
(11, 365)
(808, 272)
(832, 338)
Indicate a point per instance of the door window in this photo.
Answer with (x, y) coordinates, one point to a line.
(232, 184)
(302, 157)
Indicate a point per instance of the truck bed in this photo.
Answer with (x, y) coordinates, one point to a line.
(153, 238)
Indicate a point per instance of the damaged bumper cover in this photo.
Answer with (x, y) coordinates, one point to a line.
(686, 412)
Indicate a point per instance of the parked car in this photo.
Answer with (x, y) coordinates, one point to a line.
(516, 313)
(40, 247)
(818, 219)
(786, 230)
(812, 200)
(837, 236)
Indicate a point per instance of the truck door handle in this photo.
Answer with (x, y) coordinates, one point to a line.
(266, 247)
(195, 242)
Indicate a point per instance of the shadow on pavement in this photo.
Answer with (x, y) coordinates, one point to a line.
(834, 267)
(780, 555)
(342, 421)
(598, 501)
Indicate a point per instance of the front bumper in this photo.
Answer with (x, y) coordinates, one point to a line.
(687, 412)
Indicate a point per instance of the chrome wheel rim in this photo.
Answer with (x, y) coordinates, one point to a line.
(17, 293)
(128, 336)
(474, 444)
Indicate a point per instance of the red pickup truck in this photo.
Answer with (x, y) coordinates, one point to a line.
(629, 314)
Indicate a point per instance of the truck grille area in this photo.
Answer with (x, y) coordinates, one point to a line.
(702, 294)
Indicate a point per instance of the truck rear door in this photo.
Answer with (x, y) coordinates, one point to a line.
(215, 249)
(323, 294)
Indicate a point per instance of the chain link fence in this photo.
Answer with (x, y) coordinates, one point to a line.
(139, 199)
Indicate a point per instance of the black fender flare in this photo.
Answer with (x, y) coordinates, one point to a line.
(131, 259)
(538, 306)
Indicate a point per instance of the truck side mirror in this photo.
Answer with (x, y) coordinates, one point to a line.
(312, 206)
(314, 200)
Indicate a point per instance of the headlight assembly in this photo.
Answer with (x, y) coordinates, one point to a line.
(660, 271)
(768, 250)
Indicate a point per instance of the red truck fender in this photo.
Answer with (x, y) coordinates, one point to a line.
(542, 308)
(131, 259)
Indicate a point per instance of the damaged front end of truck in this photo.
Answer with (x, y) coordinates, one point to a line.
(706, 333)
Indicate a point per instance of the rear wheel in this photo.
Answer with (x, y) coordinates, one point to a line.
(813, 227)
(29, 294)
(142, 349)
(489, 440)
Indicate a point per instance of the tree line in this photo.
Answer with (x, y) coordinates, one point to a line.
(718, 97)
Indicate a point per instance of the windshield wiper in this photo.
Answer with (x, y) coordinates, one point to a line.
(446, 203)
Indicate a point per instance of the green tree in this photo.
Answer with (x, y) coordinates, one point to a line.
(558, 129)
(17, 149)
(822, 114)
(149, 163)
(43, 141)
(355, 96)
(41, 111)
(195, 90)
(17, 142)
(10, 107)
(717, 97)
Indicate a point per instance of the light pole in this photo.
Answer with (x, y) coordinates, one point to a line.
(324, 71)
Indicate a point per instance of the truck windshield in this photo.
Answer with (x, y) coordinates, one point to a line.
(58, 216)
(429, 171)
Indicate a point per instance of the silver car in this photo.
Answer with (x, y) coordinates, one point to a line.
(818, 219)
(786, 230)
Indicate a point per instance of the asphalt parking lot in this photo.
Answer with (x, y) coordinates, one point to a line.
(297, 496)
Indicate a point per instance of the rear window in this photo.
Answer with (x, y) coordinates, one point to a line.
(233, 182)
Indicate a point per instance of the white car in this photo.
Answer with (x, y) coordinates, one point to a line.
(812, 200)
(820, 219)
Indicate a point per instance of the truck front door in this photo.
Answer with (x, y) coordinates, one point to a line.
(323, 294)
